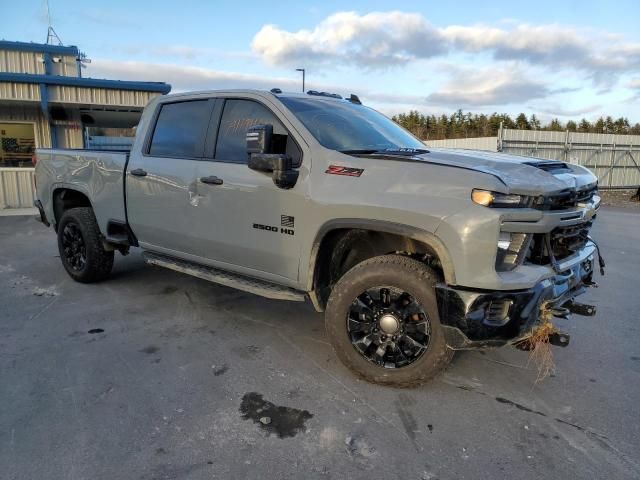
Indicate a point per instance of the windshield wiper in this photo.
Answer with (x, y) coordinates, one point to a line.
(389, 151)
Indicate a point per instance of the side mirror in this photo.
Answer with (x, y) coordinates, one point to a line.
(259, 139)
(280, 166)
(261, 160)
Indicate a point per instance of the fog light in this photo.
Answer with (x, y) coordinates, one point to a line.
(497, 313)
(511, 250)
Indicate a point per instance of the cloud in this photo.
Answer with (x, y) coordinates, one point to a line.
(465, 88)
(544, 44)
(488, 87)
(195, 78)
(375, 39)
(184, 78)
(383, 39)
(557, 110)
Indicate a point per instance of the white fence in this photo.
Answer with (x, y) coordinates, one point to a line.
(479, 143)
(16, 188)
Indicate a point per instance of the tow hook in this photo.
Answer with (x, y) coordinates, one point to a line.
(559, 339)
(581, 309)
(559, 312)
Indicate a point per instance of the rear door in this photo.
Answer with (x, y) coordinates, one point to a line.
(161, 177)
(244, 221)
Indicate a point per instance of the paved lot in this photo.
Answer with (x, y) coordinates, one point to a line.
(172, 384)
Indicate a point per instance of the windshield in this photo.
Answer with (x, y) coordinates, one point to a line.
(349, 127)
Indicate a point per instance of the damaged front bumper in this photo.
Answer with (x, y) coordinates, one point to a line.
(474, 319)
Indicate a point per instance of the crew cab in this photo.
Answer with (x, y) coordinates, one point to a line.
(411, 252)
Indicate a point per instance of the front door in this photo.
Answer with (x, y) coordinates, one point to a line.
(161, 179)
(243, 219)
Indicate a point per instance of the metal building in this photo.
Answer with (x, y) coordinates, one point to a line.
(45, 102)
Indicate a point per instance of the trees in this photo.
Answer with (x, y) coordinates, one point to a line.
(522, 123)
(467, 125)
(585, 126)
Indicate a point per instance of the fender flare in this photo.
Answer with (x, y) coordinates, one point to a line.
(382, 226)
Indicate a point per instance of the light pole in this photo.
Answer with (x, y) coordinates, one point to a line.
(303, 72)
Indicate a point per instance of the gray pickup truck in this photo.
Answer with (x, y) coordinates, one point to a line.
(412, 253)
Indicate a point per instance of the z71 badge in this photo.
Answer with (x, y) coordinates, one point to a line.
(347, 171)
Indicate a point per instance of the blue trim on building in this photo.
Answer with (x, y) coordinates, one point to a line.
(39, 47)
(159, 87)
(44, 106)
(48, 63)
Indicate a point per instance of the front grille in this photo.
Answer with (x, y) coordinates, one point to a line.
(566, 199)
(564, 241)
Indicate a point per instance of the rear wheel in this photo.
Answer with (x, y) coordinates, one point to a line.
(382, 320)
(80, 246)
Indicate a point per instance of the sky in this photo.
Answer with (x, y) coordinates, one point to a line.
(568, 59)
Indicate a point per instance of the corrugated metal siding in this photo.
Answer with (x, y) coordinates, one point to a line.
(69, 133)
(478, 143)
(64, 94)
(98, 142)
(16, 187)
(68, 67)
(99, 96)
(21, 62)
(33, 62)
(19, 91)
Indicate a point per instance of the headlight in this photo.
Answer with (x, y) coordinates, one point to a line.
(512, 248)
(500, 200)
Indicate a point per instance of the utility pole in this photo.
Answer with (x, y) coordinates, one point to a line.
(303, 72)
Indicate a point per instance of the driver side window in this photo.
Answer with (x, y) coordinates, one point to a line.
(237, 117)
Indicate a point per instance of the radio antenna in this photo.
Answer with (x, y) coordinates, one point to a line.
(52, 36)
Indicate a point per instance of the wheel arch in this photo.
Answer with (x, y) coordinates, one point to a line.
(65, 198)
(384, 237)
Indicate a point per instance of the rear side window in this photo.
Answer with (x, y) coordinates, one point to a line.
(237, 117)
(180, 129)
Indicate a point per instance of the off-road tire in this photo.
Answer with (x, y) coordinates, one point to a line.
(411, 276)
(99, 261)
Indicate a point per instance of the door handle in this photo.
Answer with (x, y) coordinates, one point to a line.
(138, 172)
(212, 180)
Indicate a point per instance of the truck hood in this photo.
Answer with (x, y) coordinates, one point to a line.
(523, 175)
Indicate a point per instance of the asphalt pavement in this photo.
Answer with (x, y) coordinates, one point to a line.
(157, 375)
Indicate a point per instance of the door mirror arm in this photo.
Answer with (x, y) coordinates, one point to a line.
(280, 166)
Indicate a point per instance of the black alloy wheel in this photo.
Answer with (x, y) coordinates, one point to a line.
(81, 246)
(75, 250)
(388, 327)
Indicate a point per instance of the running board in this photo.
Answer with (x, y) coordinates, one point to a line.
(228, 279)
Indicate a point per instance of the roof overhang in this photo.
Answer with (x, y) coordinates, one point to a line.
(156, 87)
(39, 47)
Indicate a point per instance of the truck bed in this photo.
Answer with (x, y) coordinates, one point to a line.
(98, 174)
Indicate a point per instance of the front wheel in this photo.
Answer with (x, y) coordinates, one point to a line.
(382, 321)
(80, 246)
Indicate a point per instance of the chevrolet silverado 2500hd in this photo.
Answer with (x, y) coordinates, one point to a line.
(411, 252)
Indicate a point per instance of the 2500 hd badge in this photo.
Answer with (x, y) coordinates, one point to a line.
(287, 223)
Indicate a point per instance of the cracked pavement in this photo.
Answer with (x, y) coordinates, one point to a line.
(154, 374)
